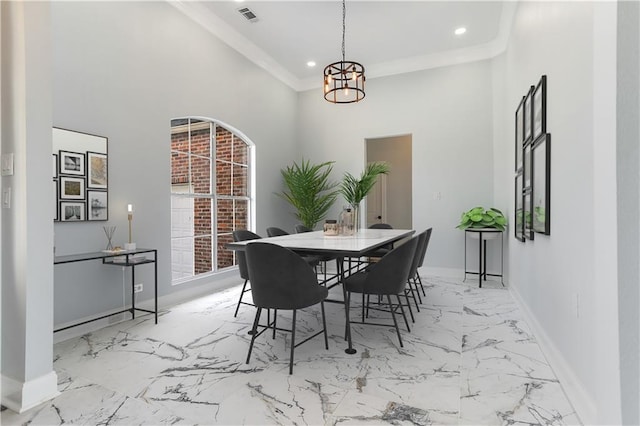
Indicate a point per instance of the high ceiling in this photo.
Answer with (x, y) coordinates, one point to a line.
(387, 37)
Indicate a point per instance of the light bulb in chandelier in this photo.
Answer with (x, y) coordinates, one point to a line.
(344, 80)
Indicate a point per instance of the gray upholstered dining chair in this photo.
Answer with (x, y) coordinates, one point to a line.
(282, 280)
(379, 252)
(417, 279)
(411, 281)
(301, 228)
(387, 277)
(273, 231)
(243, 235)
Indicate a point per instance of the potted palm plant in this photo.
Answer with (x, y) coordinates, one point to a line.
(309, 190)
(354, 189)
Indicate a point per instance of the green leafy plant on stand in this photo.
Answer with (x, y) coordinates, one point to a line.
(478, 217)
(309, 190)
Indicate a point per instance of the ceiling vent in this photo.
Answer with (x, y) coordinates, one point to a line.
(248, 13)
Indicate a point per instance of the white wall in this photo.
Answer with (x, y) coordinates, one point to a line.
(27, 255)
(124, 70)
(575, 47)
(448, 113)
(628, 203)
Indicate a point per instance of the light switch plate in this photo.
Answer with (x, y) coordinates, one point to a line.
(6, 198)
(7, 165)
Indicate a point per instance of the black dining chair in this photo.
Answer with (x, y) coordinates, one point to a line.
(412, 283)
(301, 228)
(423, 251)
(282, 280)
(381, 251)
(243, 235)
(387, 277)
(273, 231)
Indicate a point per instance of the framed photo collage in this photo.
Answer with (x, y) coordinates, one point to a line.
(80, 176)
(532, 164)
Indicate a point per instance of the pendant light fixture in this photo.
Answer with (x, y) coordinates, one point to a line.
(344, 80)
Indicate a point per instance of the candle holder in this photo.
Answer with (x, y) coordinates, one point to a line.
(130, 245)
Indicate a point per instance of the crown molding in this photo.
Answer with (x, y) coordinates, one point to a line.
(220, 29)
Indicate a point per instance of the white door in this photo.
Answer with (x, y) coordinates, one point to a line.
(377, 202)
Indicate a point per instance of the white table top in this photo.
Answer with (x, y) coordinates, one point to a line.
(316, 242)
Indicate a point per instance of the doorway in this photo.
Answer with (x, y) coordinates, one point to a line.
(390, 201)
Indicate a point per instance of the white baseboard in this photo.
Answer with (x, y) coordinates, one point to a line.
(20, 397)
(582, 403)
(190, 291)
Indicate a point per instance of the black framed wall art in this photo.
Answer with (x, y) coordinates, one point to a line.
(539, 107)
(80, 176)
(541, 198)
(519, 210)
(528, 135)
(532, 182)
(519, 134)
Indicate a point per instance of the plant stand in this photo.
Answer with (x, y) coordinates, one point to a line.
(482, 235)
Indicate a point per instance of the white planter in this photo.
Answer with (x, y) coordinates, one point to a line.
(487, 233)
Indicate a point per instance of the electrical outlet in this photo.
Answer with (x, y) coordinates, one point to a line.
(137, 288)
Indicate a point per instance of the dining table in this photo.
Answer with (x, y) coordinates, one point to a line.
(340, 247)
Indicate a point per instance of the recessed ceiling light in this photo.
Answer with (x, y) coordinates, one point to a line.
(311, 64)
(460, 31)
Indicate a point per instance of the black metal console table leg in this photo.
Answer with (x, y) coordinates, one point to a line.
(480, 260)
(155, 271)
(133, 292)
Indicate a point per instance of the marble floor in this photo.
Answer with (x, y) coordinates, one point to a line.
(470, 359)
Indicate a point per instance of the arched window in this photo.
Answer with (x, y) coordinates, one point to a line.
(211, 194)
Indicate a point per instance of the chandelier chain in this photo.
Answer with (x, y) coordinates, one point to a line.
(344, 27)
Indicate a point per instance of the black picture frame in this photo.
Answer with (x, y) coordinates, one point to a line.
(55, 165)
(528, 117)
(87, 157)
(71, 163)
(526, 167)
(541, 189)
(97, 170)
(539, 109)
(72, 188)
(519, 209)
(56, 191)
(527, 206)
(72, 211)
(519, 123)
(97, 205)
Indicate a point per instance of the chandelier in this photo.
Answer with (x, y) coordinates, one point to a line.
(344, 80)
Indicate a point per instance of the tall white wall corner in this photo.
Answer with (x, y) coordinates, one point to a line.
(20, 397)
(583, 403)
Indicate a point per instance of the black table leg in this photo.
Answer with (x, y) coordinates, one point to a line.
(350, 350)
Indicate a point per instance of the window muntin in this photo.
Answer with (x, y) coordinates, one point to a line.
(211, 195)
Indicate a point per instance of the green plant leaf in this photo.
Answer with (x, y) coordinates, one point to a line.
(478, 217)
(353, 189)
(309, 190)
